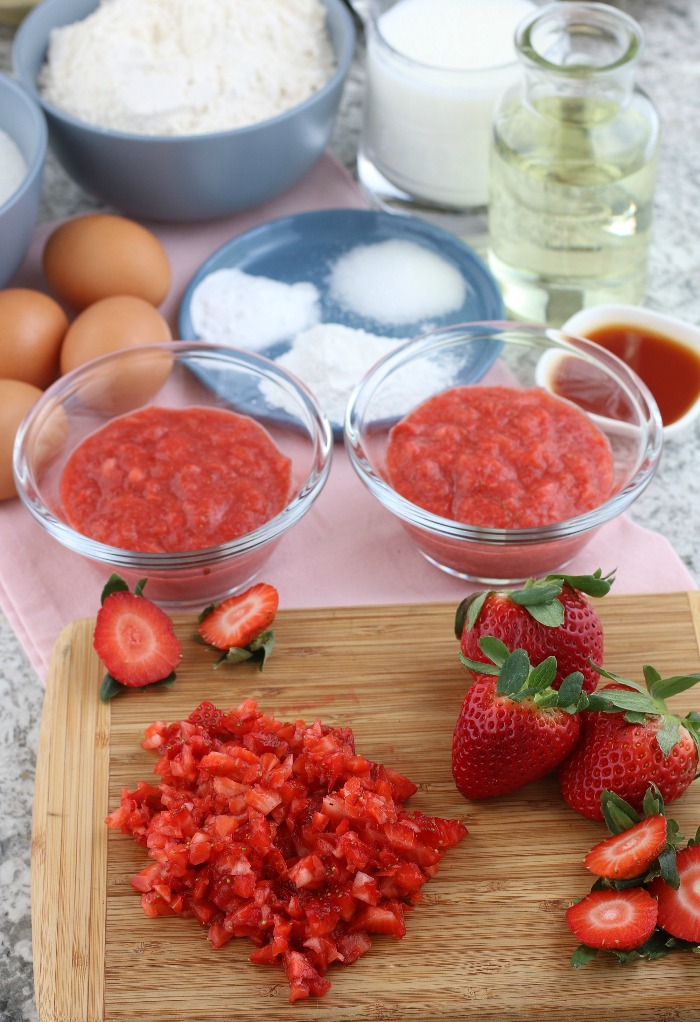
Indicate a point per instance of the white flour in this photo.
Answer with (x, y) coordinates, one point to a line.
(246, 311)
(396, 282)
(180, 67)
(332, 358)
(13, 167)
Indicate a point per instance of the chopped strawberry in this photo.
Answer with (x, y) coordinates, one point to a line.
(630, 853)
(679, 910)
(613, 920)
(135, 639)
(239, 620)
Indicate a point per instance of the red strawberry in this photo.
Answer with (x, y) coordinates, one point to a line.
(547, 617)
(238, 620)
(630, 853)
(679, 910)
(513, 728)
(613, 920)
(629, 740)
(133, 637)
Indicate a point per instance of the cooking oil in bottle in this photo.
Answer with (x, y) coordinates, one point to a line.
(572, 167)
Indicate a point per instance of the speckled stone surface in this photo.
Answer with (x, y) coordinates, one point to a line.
(670, 72)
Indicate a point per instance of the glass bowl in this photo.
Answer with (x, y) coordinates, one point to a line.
(176, 375)
(610, 394)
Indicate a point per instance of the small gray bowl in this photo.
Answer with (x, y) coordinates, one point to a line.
(23, 121)
(185, 177)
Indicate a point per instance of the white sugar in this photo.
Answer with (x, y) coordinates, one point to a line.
(396, 282)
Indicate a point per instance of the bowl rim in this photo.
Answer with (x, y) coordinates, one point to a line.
(35, 165)
(343, 60)
(449, 529)
(134, 560)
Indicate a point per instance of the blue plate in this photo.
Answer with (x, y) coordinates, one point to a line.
(305, 247)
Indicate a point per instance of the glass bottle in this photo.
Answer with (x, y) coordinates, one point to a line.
(572, 166)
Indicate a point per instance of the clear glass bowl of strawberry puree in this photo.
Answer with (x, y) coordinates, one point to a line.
(470, 488)
(150, 380)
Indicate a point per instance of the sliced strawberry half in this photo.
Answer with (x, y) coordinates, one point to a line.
(679, 910)
(614, 920)
(135, 640)
(237, 621)
(630, 853)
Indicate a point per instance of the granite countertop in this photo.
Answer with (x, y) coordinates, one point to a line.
(670, 73)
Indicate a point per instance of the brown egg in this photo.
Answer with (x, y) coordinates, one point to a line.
(116, 324)
(97, 255)
(32, 328)
(16, 398)
(121, 321)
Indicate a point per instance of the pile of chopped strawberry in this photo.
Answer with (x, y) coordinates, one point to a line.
(282, 833)
(646, 900)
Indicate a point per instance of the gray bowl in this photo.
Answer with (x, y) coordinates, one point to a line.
(192, 177)
(23, 121)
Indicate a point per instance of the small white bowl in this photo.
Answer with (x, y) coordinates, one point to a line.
(685, 334)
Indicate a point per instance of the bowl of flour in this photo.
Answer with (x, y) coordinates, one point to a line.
(186, 110)
(23, 143)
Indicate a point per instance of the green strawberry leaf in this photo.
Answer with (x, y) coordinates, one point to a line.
(618, 677)
(668, 735)
(618, 814)
(494, 649)
(651, 675)
(653, 802)
(234, 655)
(662, 688)
(668, 869)
(571, 690)
(513, 674)
(537, 594)
(595, 585)
(116, 584)
(582, 955)
(543, 674)
(260, 648)
(110, 688)
(478, 667)
(468, 612)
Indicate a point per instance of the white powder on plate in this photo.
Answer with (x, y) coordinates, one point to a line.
(396, 282)
(182, 67)
(232, 307)
(13, 167)
(331, 359)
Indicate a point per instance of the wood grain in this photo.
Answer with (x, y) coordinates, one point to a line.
(489, 938)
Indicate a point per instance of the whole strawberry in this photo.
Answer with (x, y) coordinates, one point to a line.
(629, 740)
(552, 616)
(513, 727)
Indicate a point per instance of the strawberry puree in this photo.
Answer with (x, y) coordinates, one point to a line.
(500, 458)
(173, 479)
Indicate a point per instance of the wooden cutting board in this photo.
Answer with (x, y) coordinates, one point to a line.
(489, 938)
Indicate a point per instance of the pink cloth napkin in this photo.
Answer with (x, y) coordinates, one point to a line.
(347, 551)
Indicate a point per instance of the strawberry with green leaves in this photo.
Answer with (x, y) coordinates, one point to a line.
(552, 616)
(630, 739)
(240, 626)
(513, 727)
(134, 638)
